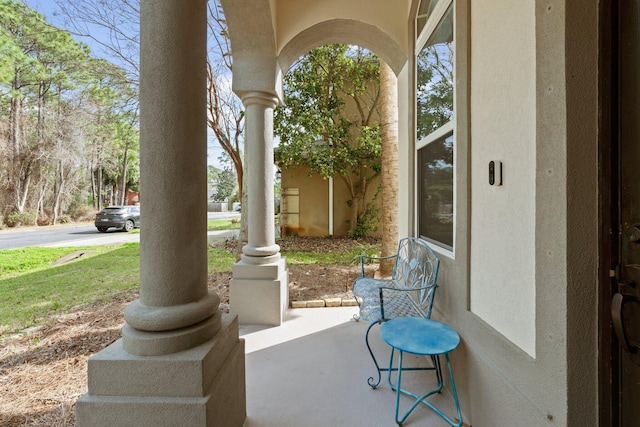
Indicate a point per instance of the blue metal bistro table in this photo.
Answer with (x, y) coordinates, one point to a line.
(423, 337)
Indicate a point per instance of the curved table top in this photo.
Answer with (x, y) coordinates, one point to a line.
(419, 336)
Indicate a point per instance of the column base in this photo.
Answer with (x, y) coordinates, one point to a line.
(259, 293)
(202, 386)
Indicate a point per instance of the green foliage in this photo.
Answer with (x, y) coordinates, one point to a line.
(225, 182)
(328, 123)
(16, 219)
(367, 222)
(318, 127)
(434, 87)
(70, 112)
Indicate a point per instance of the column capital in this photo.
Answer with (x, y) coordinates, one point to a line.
(262, 98)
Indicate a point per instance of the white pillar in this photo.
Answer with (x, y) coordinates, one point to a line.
(179, 362)
(259, 108)
(173, 184)
(258, 292)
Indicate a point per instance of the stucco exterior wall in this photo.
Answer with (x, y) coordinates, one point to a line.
(295, 16)
(526, 94)
(503, 129)
(313, 202)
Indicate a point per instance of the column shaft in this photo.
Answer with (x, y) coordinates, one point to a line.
(173, 153)
(180, 361)
(258, 292)
(259, 154)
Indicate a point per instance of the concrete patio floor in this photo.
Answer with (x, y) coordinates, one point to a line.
(312, 370)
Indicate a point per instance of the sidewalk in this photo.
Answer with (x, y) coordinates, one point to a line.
(121, 238)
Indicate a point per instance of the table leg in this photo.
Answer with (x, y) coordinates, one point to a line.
(421, 399)
(453, 390)
(399, 389)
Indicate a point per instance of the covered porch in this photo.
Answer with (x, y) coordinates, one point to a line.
(311, 371)
(519, 272)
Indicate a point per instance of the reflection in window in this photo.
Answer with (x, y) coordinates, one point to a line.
(435, 78)
(426, 7)
(436, 191)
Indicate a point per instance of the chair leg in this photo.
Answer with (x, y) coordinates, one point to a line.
(366, 339)
(435, 360)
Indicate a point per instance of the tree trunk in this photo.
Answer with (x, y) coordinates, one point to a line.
(59, 183)
(92, 176)
(16, 118)
(40, 205)
(124, 176)
(355, 208)
(99, 178)
(25, 190)
(389, 133)
(243, 237)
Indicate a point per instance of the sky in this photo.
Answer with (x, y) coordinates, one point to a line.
(49, 9)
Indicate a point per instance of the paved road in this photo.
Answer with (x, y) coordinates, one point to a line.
(84, 235)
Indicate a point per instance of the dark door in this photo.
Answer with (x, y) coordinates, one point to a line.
(625, 307)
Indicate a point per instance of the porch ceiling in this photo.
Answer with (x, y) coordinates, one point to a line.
(268, 35)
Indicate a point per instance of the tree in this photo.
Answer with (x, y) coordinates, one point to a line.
(110, 128)
(389, 131)
(118, 23)
(112, 25)
(56, 100)
(328, 123)
(45, 63)
(223, 179)
(225, 112)
(435, 88)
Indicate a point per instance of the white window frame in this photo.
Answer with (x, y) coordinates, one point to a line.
(436, 16)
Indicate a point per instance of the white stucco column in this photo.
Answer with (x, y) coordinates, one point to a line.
(258, 292)
(179, 362)
(259, 108)
(173, 183)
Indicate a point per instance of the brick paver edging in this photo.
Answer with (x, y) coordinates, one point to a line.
(329, 302)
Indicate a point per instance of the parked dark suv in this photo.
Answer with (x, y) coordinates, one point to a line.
(125, 218)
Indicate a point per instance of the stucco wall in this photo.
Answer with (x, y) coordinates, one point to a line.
(295, 16)
(314, 203)
(503, 129)
(526, 94)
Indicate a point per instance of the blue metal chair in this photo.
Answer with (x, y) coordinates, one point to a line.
(408, 292)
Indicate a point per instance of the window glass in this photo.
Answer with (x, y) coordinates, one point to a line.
(435, 78)
(426, 7)
(436, 188)
(434, 128)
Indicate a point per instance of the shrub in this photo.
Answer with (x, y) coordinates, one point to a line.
(16, 219)
(81, 213)
(64, 219)
(44, 219)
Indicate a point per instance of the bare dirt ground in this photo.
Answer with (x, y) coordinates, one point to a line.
(43, 371)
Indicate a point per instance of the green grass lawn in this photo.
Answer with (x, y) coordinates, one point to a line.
(32, 289)
(222, 224)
